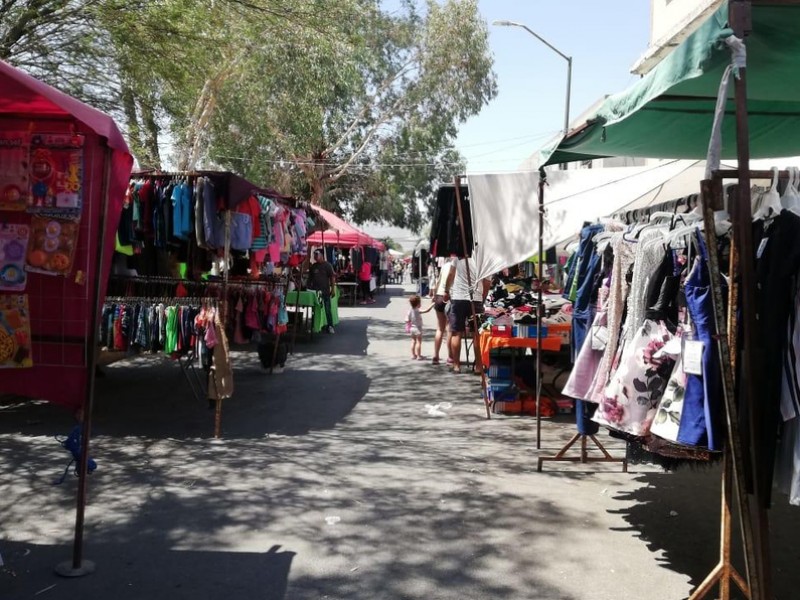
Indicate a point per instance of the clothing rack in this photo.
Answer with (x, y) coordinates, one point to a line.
(561, 455)
(635, 215)
(752, 509)
(186, 361)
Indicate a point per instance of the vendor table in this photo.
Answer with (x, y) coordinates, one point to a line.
(349, 289)
(488, 342)
(310, 302)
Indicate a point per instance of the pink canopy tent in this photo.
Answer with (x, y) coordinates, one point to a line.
(340, 233)
(64, 309)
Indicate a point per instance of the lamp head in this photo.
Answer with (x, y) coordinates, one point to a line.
(506, 23)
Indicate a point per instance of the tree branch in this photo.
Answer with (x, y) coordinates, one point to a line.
(339, 171)
(385, 85)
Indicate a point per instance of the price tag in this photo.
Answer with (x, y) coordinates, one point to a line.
(761, 247)
(693, 357)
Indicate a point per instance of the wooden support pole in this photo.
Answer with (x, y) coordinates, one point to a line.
(583, 457)
(740, 18)
(78, 566)
(735, 459)
(476, 346)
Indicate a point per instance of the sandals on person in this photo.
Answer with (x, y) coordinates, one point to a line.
(434, 361)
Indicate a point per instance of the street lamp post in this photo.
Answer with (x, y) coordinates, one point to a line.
(540, 308)
(506, 23)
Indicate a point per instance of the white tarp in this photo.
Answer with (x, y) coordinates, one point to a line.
(505, 206)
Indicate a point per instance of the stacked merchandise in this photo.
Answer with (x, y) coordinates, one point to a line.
(513, 301)
(511, 384)
(42, 197)
(503, 394)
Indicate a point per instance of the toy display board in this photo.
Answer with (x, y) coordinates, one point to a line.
(51, 247)
(15, 332)
(13, 243)
(14, 161)
(56, 174)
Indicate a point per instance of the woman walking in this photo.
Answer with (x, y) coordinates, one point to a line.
(441, 296)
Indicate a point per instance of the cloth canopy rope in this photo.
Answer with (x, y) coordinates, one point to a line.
(738, 61)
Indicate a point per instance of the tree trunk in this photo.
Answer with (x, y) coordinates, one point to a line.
(151, 131)
(132, 122)
(313, 168)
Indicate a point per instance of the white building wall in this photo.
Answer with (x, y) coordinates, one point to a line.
(667, 16)
(671, 22)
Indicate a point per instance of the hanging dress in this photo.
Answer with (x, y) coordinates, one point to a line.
(645, 362)
(584, 369)
(618, 295)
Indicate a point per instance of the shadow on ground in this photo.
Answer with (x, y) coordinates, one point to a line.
(123, 572)
(392, 505)
(678, 516)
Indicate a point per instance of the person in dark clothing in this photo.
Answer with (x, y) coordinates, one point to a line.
(322, 279)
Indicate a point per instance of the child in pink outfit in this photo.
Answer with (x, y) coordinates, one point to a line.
(414, 325)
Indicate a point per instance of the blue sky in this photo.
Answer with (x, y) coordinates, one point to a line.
(604, 40)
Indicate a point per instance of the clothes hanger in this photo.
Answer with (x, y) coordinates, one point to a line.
(791, 197)
(770, 204)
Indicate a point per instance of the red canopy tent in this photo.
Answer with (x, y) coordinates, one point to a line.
(340, 233)
(78, 152)
(64, 309)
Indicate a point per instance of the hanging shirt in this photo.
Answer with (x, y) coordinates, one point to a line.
(444, 274)
(460, 289)
(261, 241)
(251, 207)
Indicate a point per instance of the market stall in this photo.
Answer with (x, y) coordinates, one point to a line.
(215, 251)
(65, 168)
(688, 92)
(347, 248)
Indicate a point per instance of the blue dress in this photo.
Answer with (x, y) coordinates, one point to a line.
(701, 419)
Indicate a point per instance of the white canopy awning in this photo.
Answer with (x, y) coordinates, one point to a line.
(505, 206)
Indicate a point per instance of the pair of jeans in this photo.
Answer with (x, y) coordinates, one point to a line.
(326, 303)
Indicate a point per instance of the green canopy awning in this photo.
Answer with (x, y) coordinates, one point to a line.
(669, 112)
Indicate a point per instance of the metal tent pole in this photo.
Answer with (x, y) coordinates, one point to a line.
(223, 316)
(540, 310)
(733, 459)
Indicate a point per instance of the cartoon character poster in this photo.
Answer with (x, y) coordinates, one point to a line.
(15, 332)
(14, 184)
(56, 174)
(13, 244)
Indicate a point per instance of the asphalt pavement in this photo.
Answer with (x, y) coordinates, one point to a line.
(356, 474)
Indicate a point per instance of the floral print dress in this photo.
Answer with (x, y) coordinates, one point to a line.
(633, 393)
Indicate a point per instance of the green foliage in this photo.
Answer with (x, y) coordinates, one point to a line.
(391, 244)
